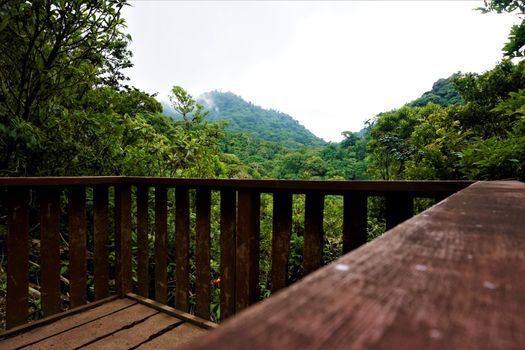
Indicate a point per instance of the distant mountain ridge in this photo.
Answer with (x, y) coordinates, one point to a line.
(443, 93)
(266, 124)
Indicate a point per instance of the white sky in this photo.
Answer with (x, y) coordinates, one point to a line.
(330, 65)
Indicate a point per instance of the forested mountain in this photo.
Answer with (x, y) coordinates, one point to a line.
(264, 124)
(443, 93)
(483, 137)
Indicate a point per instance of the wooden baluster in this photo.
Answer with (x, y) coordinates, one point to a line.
(142, 240)
(161, 245)
(182, 248)
(228, 252)
(101, 241)
(399, 207)
(354, 221)
(50, 250)
(247, 242)
(313, 232)
(77, 246)
(282, 229)
(17, 257)
(123, 238)
(202, 256)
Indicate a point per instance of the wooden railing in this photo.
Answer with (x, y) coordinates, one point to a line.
(33, 202)
(452, 277)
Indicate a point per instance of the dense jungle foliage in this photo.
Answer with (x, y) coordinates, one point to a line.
(65, 109)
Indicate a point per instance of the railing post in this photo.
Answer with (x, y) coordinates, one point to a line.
(182, 248)
(202, 254)
(77, 246)
(17, 257)
(123, 238)
(282, 229)
(228, 252)
(50, 250)
(101, 241)
(142, 240)
(247, 261)
(161, 244)
(399, 207)
(313, 232)
(354, 221)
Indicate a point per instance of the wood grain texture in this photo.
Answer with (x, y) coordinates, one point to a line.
(123, 238)
(50, 250)
(17, 257)
(313, 232)
(195, 320)
(111, 324)
(378, 188)
(101, 327)
(450, 278)
(228, 252)
(134, 336)
(161, 244)
(142, 240)
(37, 330)
(282, 229)
(176, 338)
(354, 221)
(182, 249)
(77, 246)
(247, 242)
(202, 254)
(101, 241)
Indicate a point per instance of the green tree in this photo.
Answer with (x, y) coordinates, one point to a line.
(52, 53)
(183, 103)
(515, 47)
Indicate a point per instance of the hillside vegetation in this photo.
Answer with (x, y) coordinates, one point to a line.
(265, 124)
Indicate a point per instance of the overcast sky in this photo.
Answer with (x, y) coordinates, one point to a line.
(330, 65)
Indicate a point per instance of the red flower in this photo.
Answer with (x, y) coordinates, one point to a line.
(216, 282)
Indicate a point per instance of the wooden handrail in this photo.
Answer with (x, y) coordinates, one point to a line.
(450, 278)
(130, 197)
(295, 186)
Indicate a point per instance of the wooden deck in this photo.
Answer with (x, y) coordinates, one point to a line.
(452, 277)
(117, 324)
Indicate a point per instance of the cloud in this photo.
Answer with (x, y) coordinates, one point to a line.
(331, 65)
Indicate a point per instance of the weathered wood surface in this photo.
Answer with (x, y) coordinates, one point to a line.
(450, 278)
(203, 254)
(313, 232)
(295, 186)
(123, 238)
(101, 241)
(77, 246)
(247, 249)
(18, 257)
(282, 231)
(118, 324)
(182, 249)
(142, 240)
(50, 250)
(228, 256)
(161, 244)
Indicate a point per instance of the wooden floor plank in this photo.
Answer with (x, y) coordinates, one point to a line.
(176, 338)
(65, 324)
(101, 327)
(140, 333)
